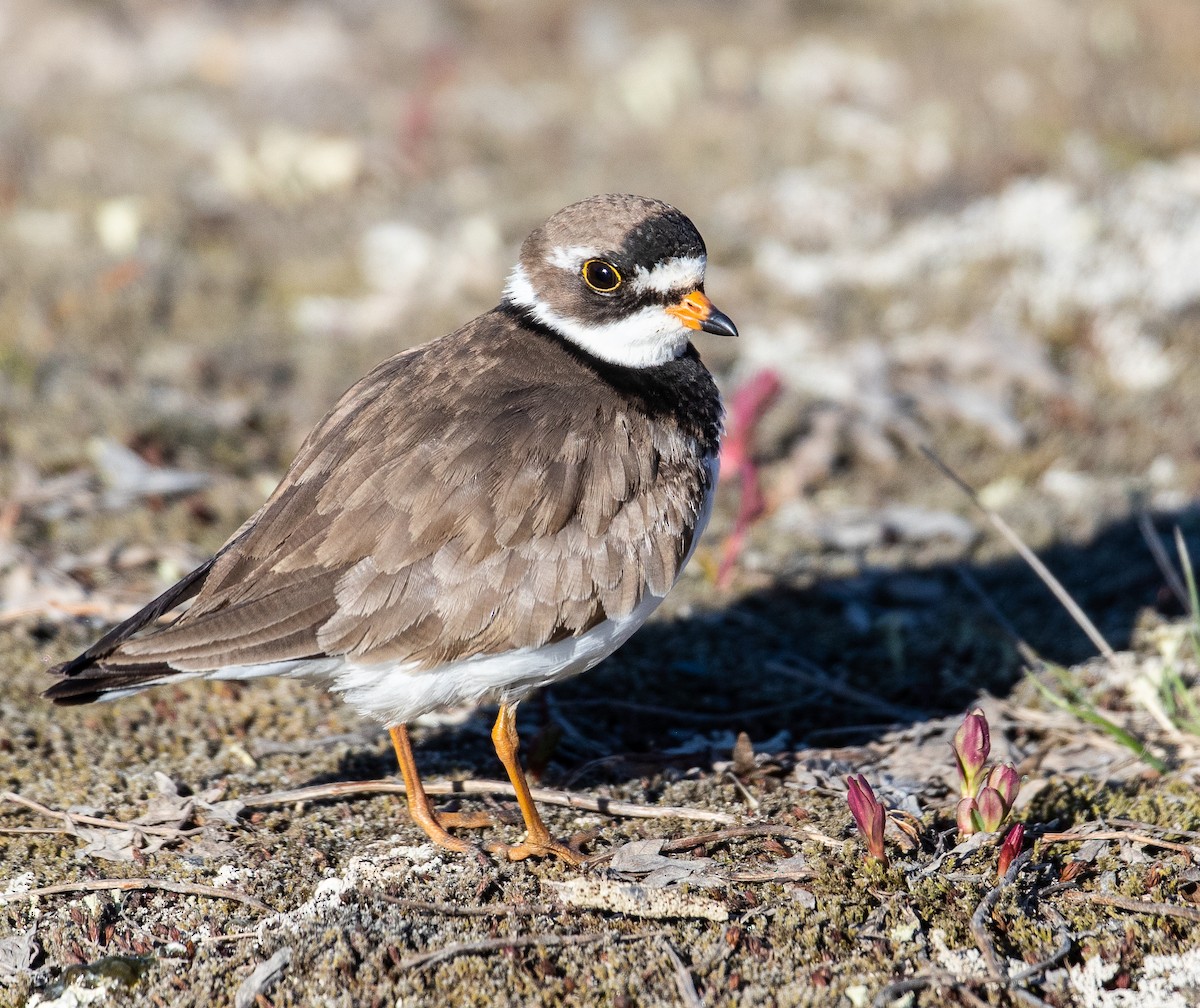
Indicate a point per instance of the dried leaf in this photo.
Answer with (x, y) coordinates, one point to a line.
(18, 953)
(117, 845)
(264, 975)
(638, 856)
(642, 857)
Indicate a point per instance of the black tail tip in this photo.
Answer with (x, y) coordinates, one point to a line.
(70, 692)
(75, 699)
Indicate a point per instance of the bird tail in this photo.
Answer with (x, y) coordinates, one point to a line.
(89, 677)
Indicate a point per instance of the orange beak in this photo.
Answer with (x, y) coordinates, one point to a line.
(695, 311)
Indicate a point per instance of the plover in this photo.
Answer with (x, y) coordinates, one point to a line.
(491, 512)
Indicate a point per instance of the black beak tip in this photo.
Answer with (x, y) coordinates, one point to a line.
(719, 324)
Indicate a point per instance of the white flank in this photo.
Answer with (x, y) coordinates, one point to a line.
(646, 338)
(679, 273)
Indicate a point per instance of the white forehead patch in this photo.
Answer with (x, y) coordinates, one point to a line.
(571, 257)
(676, 273)
(646, 338)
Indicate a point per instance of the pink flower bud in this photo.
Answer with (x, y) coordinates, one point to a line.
(967, 817)
(992, 809)
(1005, 780)
(868, 814)
(972, 743)
(1010, 848)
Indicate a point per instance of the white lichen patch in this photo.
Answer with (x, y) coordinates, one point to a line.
(375, 872)
(75, 995)
(21, 883)
(1164, 981)
(962, 963)
(227, 875)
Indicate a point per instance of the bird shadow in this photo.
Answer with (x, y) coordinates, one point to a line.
(839, 661)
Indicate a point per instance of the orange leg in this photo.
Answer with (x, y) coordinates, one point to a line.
(418, 801)
(538, 842)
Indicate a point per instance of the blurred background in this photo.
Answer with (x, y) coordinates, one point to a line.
(974, 224)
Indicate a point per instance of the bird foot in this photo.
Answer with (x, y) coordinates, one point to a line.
(452, 843)
(536, 847)
(465, 820)
(435, 829)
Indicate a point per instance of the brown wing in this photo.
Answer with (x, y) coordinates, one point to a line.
(452, 504)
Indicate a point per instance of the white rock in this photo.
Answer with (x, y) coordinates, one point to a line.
(118, 224)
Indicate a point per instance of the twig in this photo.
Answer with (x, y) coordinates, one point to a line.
(1163, 562)
(768, 874)
(969, 997)
(951, 981)
(1055, 957)
(683, 979)
(231, 937)
(35, 830)
(1028, 997)
(547, 796)
(979, 917)
(740, 832)
(917, 983)
(1138, 825)
(513, 942)
(888, 994)
(1031, 558)
(126, 885)
(455, 910)
(1139, 838)
(752, 802)
(1135, 905)
(87, 820)
(813, 675)
(737, 833)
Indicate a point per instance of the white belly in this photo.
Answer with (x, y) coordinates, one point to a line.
(395, 694)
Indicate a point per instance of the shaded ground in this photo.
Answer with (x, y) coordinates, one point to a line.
(973, 225)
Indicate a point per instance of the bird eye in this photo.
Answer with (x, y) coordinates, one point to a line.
(601, 276)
